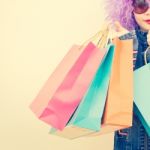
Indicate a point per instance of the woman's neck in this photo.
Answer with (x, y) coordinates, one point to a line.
(143, 30)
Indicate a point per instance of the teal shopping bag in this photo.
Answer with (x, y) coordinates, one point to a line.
(87, 117)
(141, 118)
(142, 95)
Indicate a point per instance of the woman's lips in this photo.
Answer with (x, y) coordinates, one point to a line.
(147, 21)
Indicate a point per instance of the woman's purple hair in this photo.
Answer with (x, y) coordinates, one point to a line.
(122, 11)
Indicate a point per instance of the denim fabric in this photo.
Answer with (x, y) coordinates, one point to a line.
(136, 138)
(142, 46)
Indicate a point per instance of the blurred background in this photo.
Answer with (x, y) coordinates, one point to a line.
(34, 36)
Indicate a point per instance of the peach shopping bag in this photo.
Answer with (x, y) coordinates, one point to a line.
(119, 104)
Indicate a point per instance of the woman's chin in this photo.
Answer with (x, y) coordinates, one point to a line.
(145, 27)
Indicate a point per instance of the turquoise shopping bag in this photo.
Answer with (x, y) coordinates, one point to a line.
(89, 112)
(87, 117)
(142, 95)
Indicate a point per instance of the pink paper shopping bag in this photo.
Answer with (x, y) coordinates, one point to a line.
(65, 88)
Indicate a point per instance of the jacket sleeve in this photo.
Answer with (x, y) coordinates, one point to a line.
(131, 35)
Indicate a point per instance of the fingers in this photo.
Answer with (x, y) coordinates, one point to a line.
(118, 30)
(118, 26)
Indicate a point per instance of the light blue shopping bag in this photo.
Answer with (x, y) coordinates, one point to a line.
(89, 113)
(142, 95)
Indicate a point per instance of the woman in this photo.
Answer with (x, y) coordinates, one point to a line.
(132, 16)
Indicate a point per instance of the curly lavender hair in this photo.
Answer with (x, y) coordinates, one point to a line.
(122, 11)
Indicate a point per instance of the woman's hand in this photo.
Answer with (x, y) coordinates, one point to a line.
(118, 30)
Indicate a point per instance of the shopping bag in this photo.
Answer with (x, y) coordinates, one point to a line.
(119, 104)
(87, 117)
(63, 91)
(142, 95)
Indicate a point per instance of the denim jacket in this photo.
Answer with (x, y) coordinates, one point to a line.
(135, 137)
